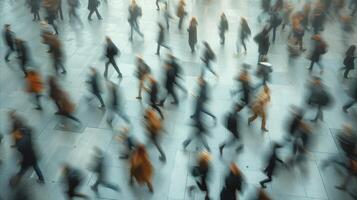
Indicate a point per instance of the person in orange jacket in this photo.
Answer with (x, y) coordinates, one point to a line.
(35, 86)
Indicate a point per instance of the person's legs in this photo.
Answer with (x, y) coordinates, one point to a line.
(267, 180)
(131, 31)
(112, 61)
(172, 92)
(157, 5)
(263, 127)
(154, 139)
(99, 97)
(204, 110)
(69, 116)
(90, 15)
(311, 65)
(349, 104)
(244, 46)
(7, 55)
(106, 69)
(125, 117)
(345, 74)
(153, 105)
(38, 102)
(180, 23)
(158, 49)
(97, 13)
(38, 171)
(252, 118)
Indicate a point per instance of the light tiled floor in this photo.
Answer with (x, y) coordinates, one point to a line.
(84, 48)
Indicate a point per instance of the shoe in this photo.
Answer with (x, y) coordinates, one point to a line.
(221, 150)
(101, 107)
(265, 130)
(40, 181)
(162, 159)
(340, 187)
(120, 75)
(38, 108)
(263, 186)
(139, 97)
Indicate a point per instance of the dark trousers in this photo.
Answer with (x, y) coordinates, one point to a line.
(319, 114)
(23, 63)
(60, 12)
(202, 185)
(25, 167)
(222, 36)
(38, 101)
(197, 134)
(96, 12)
(8, 53)
(155, 141)
(99, 97)
(58, 64)
(180, 23)
(312, 65)
(119, 112)
(274, 33)
(200, 108)
(101, 181)
(134, 26)
(154, 106)
(161, 45)
(242, 40)
(170, 91)
(36, 16)
(111, 61)
(209, 67)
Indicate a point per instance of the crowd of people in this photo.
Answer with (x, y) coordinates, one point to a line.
(303, 22)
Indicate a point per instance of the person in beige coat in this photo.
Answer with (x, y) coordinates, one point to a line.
(259, 107)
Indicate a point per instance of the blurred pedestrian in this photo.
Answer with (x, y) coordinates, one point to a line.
(22, 54)
(262, 39)
(98, 167)
(161, 39)
(56, 51)
(73, 6)
(135, 12)
(51, 12)
(141, 168)
(35, 7)
(170, 80)
(111, 50)
(35, 86)
(207, 57)
(319, 48)
(93, 7)
(223, 28)
(259, 107)
(234, 181)
(94, 86)
(275, 21)
(167, 15)
(244, 80)
(181, 12)
(142, 72)
(9, 38)
(348, 61)
(353, 94)
(154, 92)
(271, 165)
(201, 172)
(318, 97)
(153, 126)
(73, 179)
(192, 34)
(244, 34)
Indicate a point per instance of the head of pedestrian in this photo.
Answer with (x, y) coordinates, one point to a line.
(7, 26)
(108, 39)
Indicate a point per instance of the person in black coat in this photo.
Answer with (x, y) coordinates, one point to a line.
(93, 7)
(115, 104)
(161, 39)
(353, 95)
(154, 92)
(9, 38)
(202, 173)
(99, 162)
(170, 84)
(318, 97)
(35, 7)
(244, 33)
(135, 12)
(207, 57)
(293, 122)
(350, 56)
(244, 81)
(270, 168)
(22, 54)
(262, 39)
(192, 34)
(172, 61)
(94, 85)
(233, 182)
(24, 145)
(73, 178)
(223, 28)
(320, 48)
(232, 125)
(110, 52)
(275, 21)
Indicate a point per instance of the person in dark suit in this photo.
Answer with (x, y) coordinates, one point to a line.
(170, 85)
(35, 7)
(232, 125)
(270, 168)
(24, 145)
(22, 54)
(73, 179)
(192, 34)
(98, 167)
(110, 52)
(172, 61)
(142, 72)
(262, 39)
(275, 21)
(244, 81)
(51, 8)
(161, 39)
(223, 28)
(319, 48)
(233, 182)
(135, 12)
(94, 85)
(348, 61)
(93, 7)
(9, 38)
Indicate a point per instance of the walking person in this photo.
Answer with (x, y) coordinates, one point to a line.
(110, 52)
(348, 61)
(35, 86)
(201, 172)
(153, 126)
(223, 28)
(207, 57)
(161, 39)
(244, 33)
(22, 54)
(73, 6)
(56, 51)
(275, 21)
(73, 179)
(192, 34)
(135, 12)
(51, 12)
(271, 165)
(170, 80)
(98, 167)
(259, 108)
(35, 7)
(234, 181)
(167, 15)
(154, 92)
(353, 95)
(262, 39)
(232, 125)
(93, 7)
(9, 38)
(319, 48)
(142, 72)
(172, 61)
(141, 168)
(94, 86)
(59, 8)
(115, 104)
(24, 145)
(244, 80)
(181, 13)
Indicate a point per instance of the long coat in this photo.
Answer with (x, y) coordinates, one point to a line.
(192, 35)
(93, 4)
